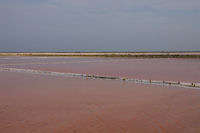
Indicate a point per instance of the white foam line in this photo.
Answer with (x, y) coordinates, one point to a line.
(143, 81)
(10, 58)
(42, 57)
(62, 62)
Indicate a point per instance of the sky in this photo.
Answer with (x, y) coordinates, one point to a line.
(99, 25)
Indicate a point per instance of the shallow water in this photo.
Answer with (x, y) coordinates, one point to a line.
(44, 103)
(39, 103)
(31, 59)
(185, 70)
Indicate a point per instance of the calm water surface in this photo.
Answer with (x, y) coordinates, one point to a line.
(39, 103)
(187, 70)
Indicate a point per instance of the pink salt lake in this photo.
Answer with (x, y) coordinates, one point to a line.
(185, 70)
(44, 103)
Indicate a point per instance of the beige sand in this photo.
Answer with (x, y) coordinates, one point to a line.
(112, 54)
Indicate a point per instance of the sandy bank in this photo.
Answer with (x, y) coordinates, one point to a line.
(115, 54)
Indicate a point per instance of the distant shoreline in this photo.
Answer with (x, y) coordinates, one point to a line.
(110, 54)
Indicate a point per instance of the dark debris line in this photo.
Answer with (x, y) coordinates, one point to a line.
(93, 76)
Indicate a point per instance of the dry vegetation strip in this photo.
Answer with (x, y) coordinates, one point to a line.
(104, 54)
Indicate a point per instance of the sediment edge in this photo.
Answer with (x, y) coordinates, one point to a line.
(93, 76)
(114, 54)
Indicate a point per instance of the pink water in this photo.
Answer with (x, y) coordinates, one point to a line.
(186, 70)
(38, 103)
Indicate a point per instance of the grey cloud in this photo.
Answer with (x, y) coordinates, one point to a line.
(99, 25)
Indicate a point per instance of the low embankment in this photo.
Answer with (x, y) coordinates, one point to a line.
(115, 54)
(93, 76)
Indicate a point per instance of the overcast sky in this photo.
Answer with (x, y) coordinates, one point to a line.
(99, 25)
